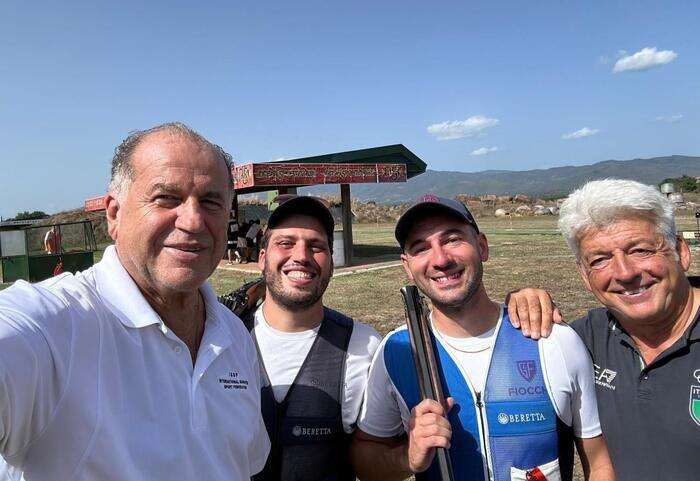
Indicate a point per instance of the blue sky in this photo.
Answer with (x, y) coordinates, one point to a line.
(450, 80)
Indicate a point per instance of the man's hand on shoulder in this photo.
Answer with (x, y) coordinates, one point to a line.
(532, 311)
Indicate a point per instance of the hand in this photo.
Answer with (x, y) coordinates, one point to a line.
(533, 311)
(428, 429)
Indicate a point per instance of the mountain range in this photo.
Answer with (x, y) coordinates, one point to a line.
(553, 181)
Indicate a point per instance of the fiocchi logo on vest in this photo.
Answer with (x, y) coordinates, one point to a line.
(523, 391)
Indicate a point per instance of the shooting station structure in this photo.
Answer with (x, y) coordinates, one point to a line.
(23, 254)
(390, 163)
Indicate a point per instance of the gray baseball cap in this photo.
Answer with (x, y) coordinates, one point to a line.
(290, 204)
(431, 204)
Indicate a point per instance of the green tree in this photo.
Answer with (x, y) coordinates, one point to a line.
(26, 215)
(687, 184)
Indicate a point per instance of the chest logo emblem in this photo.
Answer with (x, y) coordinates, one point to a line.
(527, 370)
(604, 376)
(694, 406)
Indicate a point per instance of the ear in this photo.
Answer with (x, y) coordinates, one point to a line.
(483, 244)
(404, 263)
(584, 275)
(261, 259)
(112, 213)
(683, 253)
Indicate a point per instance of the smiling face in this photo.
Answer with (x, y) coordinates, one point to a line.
(297, 262)
(443, 256)
(170, 225)
(631, 271)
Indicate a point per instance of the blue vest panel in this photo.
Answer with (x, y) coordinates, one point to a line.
(521, 422)
(465, 446)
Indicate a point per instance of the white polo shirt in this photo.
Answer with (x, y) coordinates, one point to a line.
(93, 385)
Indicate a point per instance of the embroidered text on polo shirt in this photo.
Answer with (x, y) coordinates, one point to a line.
(233, 381)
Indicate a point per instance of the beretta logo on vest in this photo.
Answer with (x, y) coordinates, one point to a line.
(315, 431)
(532, 417)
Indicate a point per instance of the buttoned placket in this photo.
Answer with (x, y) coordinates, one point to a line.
(214, 342)
(184, 360)
(648, 370)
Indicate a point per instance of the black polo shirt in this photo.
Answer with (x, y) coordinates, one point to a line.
(650, 415)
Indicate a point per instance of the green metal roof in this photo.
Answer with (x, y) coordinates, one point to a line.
(388, 154)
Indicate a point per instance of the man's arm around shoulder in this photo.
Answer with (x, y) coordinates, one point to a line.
(595, 459)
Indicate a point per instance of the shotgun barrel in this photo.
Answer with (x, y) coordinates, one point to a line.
(423, 350)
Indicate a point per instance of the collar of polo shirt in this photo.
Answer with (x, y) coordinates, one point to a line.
(125, 300)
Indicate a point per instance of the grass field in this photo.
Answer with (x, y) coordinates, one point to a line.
(527, 252)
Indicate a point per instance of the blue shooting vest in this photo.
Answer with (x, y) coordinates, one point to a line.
(520, 425)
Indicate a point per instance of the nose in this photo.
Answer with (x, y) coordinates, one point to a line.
(623, 268)
(439, 256)
(302, 253)
(190, 217)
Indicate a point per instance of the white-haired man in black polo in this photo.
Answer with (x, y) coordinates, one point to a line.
(644, 340)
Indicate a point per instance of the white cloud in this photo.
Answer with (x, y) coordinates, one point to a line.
(645, 59)
(484, 150)
(670, 119)
(278, 159)
(457, 129)
(584, 132)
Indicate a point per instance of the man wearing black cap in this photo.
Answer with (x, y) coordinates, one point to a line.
(515, 404)
(315, 360)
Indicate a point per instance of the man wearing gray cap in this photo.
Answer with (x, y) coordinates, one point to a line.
(314, 359)
(515, 404)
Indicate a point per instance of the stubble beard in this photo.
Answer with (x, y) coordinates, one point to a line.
(451, 304)
(297, 300)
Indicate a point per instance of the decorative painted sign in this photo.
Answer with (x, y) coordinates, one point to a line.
(279, 174)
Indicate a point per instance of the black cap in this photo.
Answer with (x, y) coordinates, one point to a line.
(431, 204)
(290, 204)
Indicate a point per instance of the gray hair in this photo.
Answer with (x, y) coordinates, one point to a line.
(600, 203)
(123, 170)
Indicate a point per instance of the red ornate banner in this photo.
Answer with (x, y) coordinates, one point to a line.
(279, 174)
(95, 203)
